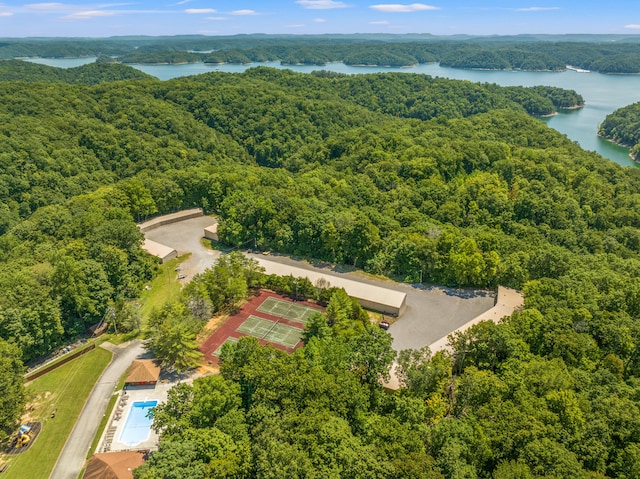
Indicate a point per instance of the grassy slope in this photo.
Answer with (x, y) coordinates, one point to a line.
(164, 289)
(65, 391)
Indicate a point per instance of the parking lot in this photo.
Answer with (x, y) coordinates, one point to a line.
(186, 237)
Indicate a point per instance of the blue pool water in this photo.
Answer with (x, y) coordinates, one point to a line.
(138, 425)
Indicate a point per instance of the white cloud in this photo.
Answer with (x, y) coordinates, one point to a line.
(536, 9)
(182, 2)
(199, 11)
(319, 20)
(48, 7)
(379, 22)
(321, 4)
(633, 26)
(399, 8)
(5, 14)
(89, 14)
(244, 12)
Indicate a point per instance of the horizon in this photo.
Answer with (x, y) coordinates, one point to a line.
(315, 17)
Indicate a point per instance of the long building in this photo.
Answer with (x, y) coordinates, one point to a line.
(164, 253)
(375, 298)
(159, 221)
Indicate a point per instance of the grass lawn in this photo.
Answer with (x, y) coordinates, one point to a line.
(164, 288)
(216, 246)
(65, 391)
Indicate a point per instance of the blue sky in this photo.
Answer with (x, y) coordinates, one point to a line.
(230, 17)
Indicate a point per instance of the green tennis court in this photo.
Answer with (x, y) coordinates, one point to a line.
(229, 340)
(270, 331)
(286, 309)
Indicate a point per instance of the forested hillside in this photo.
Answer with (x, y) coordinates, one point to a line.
(90, 74)
(398, 174)
(478, 53)
(602, 53)
(623, 126)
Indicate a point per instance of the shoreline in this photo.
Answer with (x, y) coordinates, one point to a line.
(557, 112)
(572, 107)
(621, 145)
(158, 63)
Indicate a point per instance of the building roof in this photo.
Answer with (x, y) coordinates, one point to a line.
(170, 218)
(355, 289)
(212, 229)
(143, 371)
(156, 249)
(113, 465)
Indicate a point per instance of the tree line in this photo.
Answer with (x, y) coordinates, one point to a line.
(623, 127)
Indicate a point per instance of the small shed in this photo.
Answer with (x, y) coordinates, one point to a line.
(211, 232)
(143, 372)
(114, 465)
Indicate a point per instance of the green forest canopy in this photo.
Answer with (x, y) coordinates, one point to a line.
(472, 54)
(623, 126)
(603, 53)
(396, 173)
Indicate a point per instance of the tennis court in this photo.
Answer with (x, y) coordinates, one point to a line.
(286, 309)
(270, 331)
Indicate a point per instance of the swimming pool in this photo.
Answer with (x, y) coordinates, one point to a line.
(138, 425)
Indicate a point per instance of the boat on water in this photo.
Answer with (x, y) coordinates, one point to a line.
(577, 70)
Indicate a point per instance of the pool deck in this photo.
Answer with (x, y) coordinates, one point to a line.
(110, 440)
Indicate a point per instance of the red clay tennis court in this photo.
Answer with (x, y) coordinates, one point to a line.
(268, 316)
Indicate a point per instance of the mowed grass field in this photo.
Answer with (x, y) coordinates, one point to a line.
(64, 391)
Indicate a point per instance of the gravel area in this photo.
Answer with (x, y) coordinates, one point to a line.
(186, 237)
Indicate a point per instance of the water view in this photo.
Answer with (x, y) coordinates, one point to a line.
(602, 93)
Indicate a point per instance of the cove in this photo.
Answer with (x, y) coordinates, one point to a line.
(602, 93)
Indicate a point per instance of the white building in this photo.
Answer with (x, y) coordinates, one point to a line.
(375, 298)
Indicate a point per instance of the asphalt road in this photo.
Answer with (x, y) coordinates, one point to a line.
(74, 453)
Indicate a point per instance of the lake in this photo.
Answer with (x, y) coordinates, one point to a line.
(602, 93)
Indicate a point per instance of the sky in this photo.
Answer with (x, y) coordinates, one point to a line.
(232, 17)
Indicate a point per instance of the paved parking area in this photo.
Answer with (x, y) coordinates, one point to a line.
(435, 312)
(186, 237)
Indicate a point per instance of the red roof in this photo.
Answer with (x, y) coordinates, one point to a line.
(143, 371)
(114, 465)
